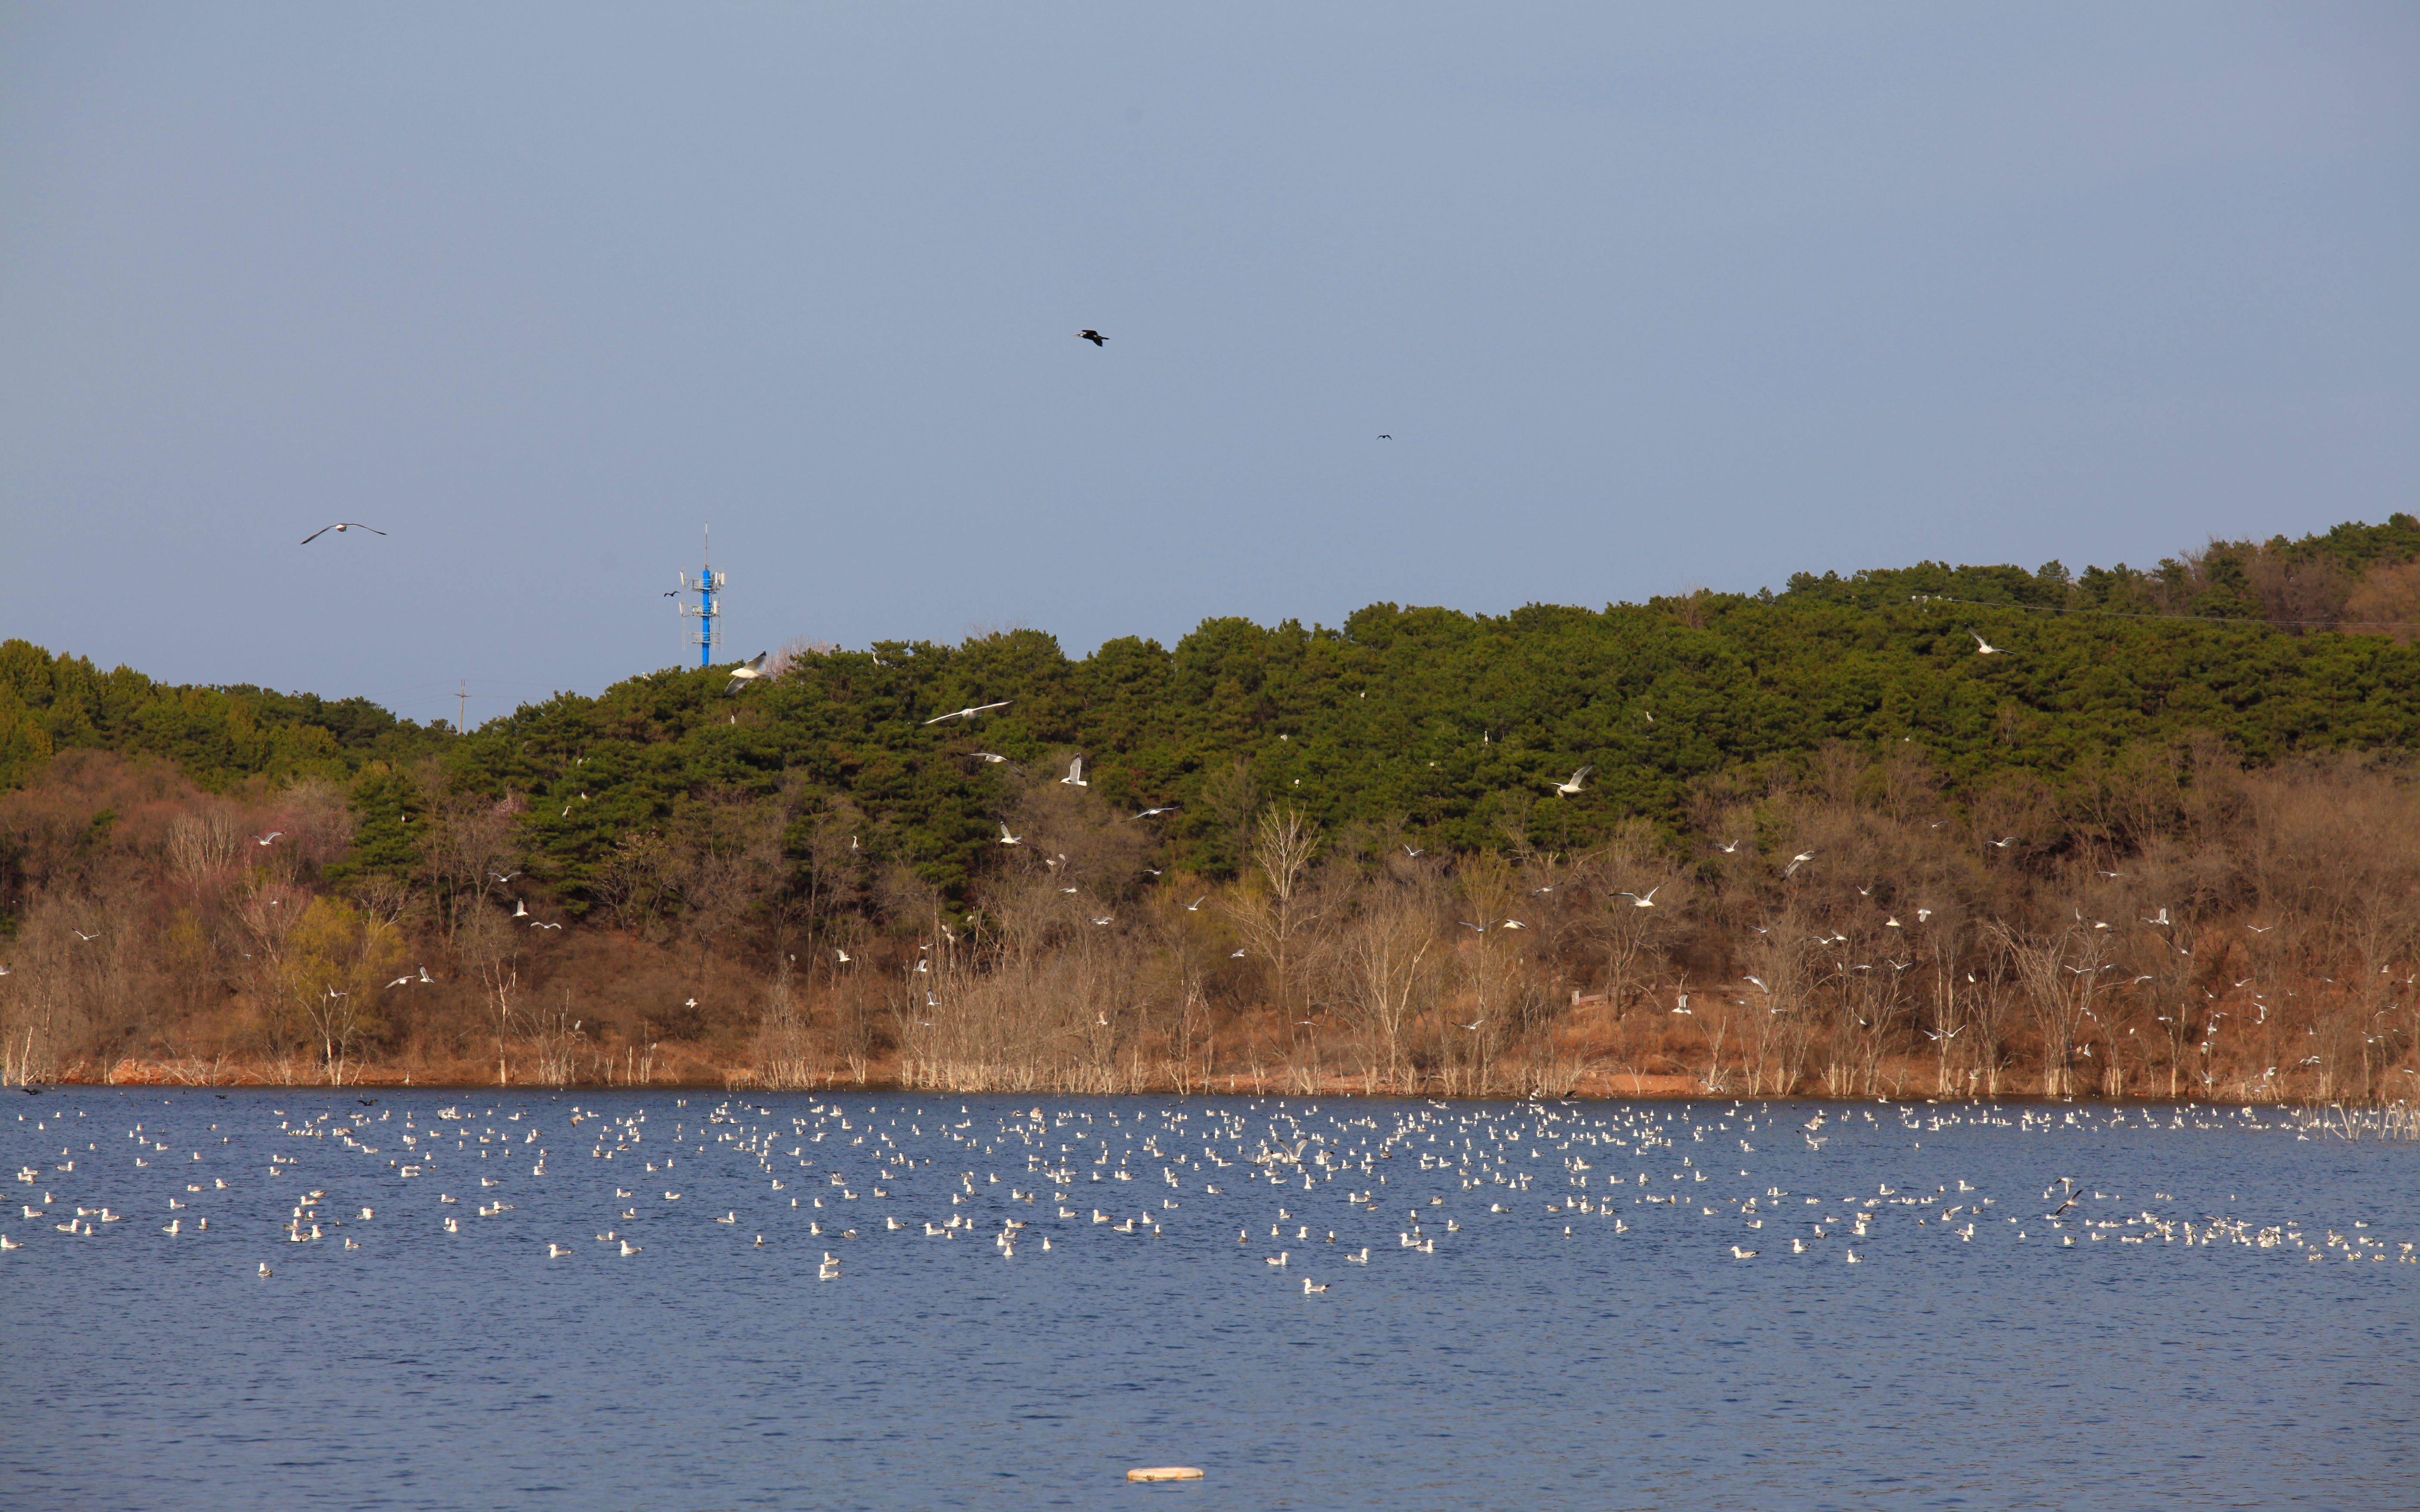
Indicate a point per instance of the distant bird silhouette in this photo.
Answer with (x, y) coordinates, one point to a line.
(1382, 435)
(1093, 336)
(1075, 777)
(1983, 647)
(340, 529)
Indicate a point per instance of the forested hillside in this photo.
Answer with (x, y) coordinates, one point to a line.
(214, 735)
(1455, 725)
(682, 861)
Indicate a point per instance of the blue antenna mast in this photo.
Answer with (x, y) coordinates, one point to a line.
(705, 585)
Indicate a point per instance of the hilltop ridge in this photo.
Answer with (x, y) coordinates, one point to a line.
(1756, 842)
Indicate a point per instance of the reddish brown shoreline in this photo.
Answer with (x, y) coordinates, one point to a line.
(704, 1077)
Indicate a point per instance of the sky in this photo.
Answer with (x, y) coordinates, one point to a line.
(1648, 298)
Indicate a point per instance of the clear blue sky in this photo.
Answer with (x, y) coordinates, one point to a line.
(1648, 296)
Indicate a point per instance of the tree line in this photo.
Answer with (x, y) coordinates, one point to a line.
(2078, 862)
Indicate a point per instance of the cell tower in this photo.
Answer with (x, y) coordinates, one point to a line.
(705, 585)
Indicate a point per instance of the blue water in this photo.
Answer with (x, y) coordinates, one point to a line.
(1633, 1362)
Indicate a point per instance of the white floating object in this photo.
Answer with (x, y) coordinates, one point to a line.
(1165, 1472)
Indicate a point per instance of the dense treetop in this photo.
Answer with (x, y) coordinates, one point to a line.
(2318, 581)
(1454, 724)
(216, 736)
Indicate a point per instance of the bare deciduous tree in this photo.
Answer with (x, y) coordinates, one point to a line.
(2062, 973)
(1277, 909)
(1389, 981)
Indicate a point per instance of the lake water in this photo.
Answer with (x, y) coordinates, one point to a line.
(2224, 1315)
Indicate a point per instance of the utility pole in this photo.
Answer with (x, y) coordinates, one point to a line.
(463, 707)
(705, 585)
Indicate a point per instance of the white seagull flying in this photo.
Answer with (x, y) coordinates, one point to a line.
(971, 712)
(340, 527)
(746, 672)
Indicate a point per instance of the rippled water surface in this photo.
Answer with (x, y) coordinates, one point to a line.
(1555, 1310)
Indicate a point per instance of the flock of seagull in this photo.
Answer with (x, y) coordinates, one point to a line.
(1301, 1186)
